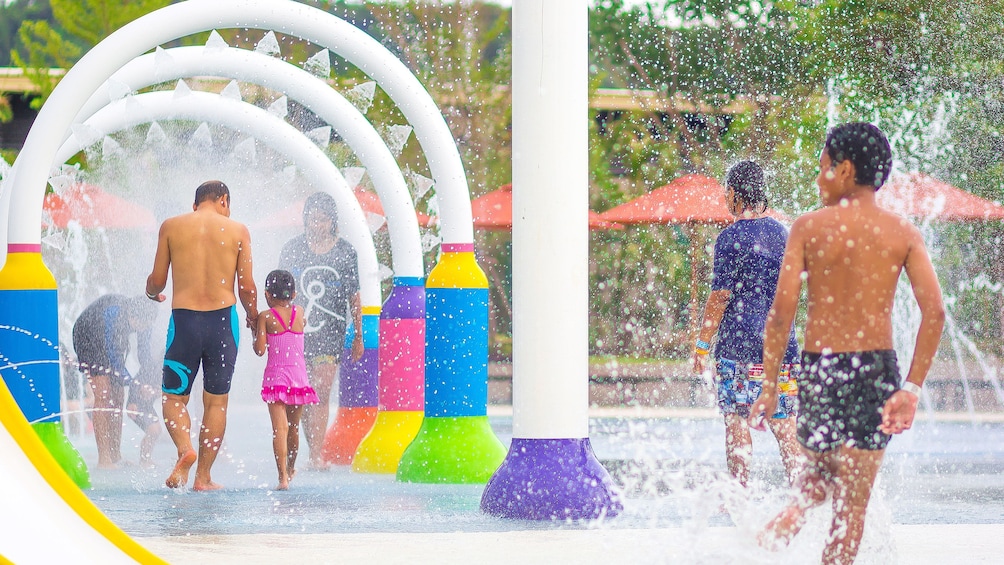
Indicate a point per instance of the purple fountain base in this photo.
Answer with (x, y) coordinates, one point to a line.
(551, 479)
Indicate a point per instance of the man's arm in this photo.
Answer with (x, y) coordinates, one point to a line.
(246, 289)
(722, 281)
(899, 411)
(157, 281)
(778, 326)
(116, 341)
(147, 362)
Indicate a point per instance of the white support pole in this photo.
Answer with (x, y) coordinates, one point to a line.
(550, 256)
(551, 471)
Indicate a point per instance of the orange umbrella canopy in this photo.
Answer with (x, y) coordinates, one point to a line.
(92, 207)
(921, 196)
(493, 211)
(370, 202)
(690, 199)
(292, 215)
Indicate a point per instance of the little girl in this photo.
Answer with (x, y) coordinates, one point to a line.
(284, 386)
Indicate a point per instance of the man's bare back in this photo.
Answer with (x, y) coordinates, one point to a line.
(206, 253)
(204, 248)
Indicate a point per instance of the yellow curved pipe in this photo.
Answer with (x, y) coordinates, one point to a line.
(22, 434)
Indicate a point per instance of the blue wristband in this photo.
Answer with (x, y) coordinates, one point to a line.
(703, 345)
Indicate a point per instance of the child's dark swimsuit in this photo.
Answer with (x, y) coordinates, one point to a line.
(209, 338)
(841, 396)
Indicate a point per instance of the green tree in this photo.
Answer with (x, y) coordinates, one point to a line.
(78, 26)
(460, 52)
(11, 15)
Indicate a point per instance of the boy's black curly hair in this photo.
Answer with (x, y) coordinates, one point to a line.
(864, 145)
(746, 179)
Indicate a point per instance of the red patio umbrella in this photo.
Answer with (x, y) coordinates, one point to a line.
(922, 196)
(292, 215)
(92, 207)
(690, 199)
(370, 202)
(493, 211)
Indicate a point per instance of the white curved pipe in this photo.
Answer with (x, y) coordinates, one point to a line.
(274, 132)
(312, 92)
(27, 188)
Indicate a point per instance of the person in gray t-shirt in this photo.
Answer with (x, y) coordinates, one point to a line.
(327, 275)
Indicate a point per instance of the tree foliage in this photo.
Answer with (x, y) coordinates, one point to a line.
(76, 25)
(461, 53)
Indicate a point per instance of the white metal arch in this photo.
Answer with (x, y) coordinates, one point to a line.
(27, 190)
(315, 94)
(271, 130)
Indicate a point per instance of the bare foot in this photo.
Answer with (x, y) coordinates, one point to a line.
(108, 466)
(147, 464)
(319, 465)
(779, 531)
(283, 484)
(179, 476)
(206, 487)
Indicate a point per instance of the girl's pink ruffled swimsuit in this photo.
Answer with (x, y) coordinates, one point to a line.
(285, 379)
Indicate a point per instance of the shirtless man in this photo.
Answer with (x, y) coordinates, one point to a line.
(850, 254)
(207, 253)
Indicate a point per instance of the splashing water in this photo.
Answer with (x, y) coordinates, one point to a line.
(924, 145)
(269, 45)
(279, 108)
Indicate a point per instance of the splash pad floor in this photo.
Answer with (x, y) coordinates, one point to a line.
(940, 499)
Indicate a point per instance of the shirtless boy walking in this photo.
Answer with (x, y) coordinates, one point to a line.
(207, 253)
(850, 254)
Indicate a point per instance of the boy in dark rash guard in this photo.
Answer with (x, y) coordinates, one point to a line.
(849, 254)
(747, 261)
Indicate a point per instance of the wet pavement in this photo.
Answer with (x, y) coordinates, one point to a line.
(937, 478)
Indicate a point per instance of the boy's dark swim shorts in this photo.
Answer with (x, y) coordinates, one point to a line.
(841, 396)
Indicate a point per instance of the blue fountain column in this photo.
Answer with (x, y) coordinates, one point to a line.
(29, 351)
(455, 443)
